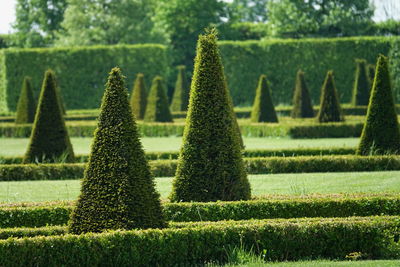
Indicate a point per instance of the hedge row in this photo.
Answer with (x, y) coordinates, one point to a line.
(373, 237)
(167, 168)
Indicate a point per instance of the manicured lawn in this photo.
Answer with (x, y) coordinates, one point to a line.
(289, 184)
(17, 146)
(376, 263)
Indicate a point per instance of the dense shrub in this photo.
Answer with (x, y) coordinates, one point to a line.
(26, 106)
(139, 97)
(362, 84)
(210, 163)
(330, 110)
(263, 108)
(371, 74)
(118, 190)
(157, 108)
(49, 140)
(302, 106)
(381, 133)
(180, 99)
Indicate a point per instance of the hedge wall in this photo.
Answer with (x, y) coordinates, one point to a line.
(81, 71)
(244, 61)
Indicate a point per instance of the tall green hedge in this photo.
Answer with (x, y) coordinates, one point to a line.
(80, 70)
(26, 107)
(263, 107)
(362, 84)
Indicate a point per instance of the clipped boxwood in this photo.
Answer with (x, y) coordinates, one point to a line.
(26, 106)
(263, 108)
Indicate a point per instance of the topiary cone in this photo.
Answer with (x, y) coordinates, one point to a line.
(263, 108)
(49, 140)
(139, 97)
(210, 165)
(118, 190)
(371, 74)
(302, 105)
(26, 106)
(381, 134)
(362, 85)
(157, 109)
(329, 110)
(180, 99)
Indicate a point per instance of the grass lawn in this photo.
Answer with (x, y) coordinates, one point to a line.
(375, 263)
(17, 146)
(289, 184)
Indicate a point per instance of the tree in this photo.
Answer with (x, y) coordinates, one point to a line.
(381, 133)
(362, 84)
(302, 105)
(263, 108)
(49, 140)
(329, 110)
(180, 99)
(157, 108)
(118, 190)
(139, 97)
(109, 22)
(248, 10)
(26, 106)
(210, 165)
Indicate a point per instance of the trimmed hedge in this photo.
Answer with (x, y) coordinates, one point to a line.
(374, 238)
(81, 71)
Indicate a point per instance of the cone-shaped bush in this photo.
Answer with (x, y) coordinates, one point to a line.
(362, 84)
(180, 99)
(371, 74)
(61, 101)
(139, 97)
(329, 110)
(381, 133)
(49, 140)
(157, 108)
(302, 105)
(210, 164)
(263, 108)
(26, 106)
(118, 191)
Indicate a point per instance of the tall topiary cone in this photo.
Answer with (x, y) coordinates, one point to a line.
(180, 99)
(302, 106)
(118, 190)
(329, 110)
(371, 74)
(26, 106)
(263, 108)
(210, 165)
(139, 97)
(157, 109)
(362, 84)
(381, 134)
(49, 139)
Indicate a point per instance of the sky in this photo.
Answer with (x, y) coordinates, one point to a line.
(7, 12)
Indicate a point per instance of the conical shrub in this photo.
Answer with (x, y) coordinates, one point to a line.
(157, 108)
(263, 108)
(381, 134)
(371, 73)
(180, 99)
(329, 110)
(302, 105)
(26, 106)
(139, 97)
(118, 190)
(362, 84)
(210, 165)
(49, 139)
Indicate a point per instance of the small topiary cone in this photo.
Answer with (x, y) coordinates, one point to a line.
(263, 108)
(180, 99)
(139, 97)
(371, 74)
(26, 106)
(302, 105)
(381, 134)
(362, 84)
(157, 109)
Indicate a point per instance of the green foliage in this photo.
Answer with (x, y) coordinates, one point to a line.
(157, 108)
(49, 139)
(210, 164)
(263, 108)
(118, 190)
(180, 100)
(26, 106)
(79, 70)
(248, 10)
(139, 97)
(330, 110)
(32, 232)
(371, 74)
(302, 106)
(381, 133)
(362, 84)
